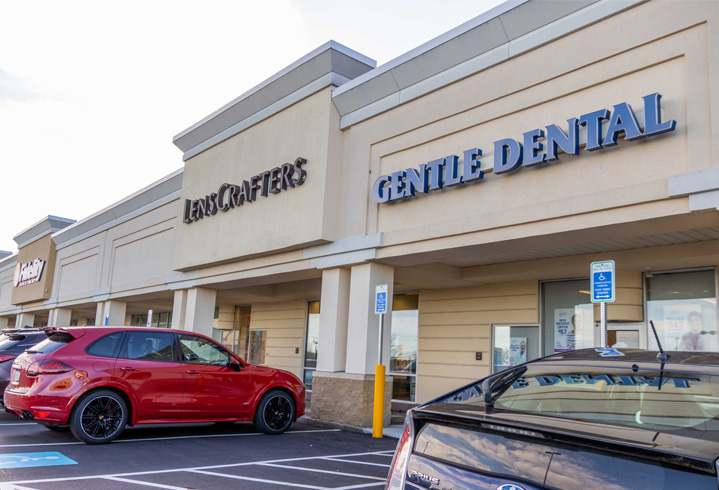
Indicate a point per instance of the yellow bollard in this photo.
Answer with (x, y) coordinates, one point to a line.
(378, 420)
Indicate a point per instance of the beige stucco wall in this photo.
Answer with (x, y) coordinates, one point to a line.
(285, 324)
(297, 216)
(7, 272)
(454, 324)
(666, 50)
(134, 256)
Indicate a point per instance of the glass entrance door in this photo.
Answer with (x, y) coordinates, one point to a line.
(625, 335)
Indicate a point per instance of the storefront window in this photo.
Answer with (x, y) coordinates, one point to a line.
(513, 345)
(311, 342)
(683, 307)
(403, 351)
(567, 316)
(163, 320)
(258, 346)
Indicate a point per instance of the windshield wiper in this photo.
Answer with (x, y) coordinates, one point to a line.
(499, 382)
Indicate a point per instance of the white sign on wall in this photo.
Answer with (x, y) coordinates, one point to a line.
(28, 273)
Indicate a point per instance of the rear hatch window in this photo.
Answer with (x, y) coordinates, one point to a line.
(532, 458)
(54, 341)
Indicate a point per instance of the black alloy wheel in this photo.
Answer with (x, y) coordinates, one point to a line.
(275, 412)
(99, 417)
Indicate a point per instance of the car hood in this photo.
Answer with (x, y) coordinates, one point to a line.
(693, 448)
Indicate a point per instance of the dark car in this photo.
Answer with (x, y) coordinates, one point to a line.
(97, 380)
(14, 342)
(610, 419)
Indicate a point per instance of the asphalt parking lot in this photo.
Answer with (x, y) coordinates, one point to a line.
(198, 456)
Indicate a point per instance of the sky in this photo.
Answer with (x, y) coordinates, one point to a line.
(92, 92)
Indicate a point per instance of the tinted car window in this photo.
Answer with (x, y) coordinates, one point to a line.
(660, 400)
(148, 346)
(52, 343)
(197, 350)
(106, 346)
(545, 462)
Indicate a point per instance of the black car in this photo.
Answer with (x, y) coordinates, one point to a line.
(609, 419)
(14, 342)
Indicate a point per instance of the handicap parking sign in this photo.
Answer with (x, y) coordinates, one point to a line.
(380, 300)
(602, 281)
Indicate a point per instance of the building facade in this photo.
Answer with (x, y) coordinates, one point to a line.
(478, 176)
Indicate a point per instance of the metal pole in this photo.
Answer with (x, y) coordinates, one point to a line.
(381, 335)
(378, 416)
(603, 323)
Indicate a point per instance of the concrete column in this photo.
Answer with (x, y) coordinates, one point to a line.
(24, 319)
(332, 348)
(100, 314)
(363, 324)
(59, 317)
(112, 311)
(179, 309)
(200, 310)
(3, 322)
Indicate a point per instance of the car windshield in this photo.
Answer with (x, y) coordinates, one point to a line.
(650, 399)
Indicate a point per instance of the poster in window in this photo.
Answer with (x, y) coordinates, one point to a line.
(683, 327)
(563, 330)
(517, 350)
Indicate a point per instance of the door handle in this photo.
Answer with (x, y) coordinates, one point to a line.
(192, 371)
(127, 369)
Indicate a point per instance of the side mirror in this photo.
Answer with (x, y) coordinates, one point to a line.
(236, 366)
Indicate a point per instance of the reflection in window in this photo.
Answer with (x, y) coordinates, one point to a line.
(568, 316)
(196, 350)
(258, 345)
(311, 342)
(683, 307)
(148, 346)
(403, 350)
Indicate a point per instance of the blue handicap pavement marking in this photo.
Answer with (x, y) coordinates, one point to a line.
(30, 460)
(607, 352)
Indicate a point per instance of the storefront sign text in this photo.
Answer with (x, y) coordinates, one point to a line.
(28, 273)
(229, 196)
(537, 146)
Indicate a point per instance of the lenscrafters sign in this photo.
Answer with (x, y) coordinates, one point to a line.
(28, 273)
(230, 196)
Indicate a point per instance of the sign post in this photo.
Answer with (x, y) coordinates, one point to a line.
(603, 277)
(380, 308)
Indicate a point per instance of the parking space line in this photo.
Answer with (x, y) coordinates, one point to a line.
(361, 485)
(259, 480)
(10, 486)
(166, 438)
(314, 470)
(200, 468)
(147, 484)
(357, 462)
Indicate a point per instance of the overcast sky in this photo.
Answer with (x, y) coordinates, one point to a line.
(92, 92)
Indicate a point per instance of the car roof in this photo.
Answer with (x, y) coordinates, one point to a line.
(636, 355)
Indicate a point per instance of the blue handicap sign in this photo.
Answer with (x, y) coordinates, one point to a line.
(602, 286)
(30, 460)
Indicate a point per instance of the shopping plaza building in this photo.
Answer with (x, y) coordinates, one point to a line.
(478, 176)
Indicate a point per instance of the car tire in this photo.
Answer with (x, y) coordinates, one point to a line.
(99, 417)
(58, 428)
(275, 412)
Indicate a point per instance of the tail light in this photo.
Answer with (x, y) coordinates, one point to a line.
(48, 366)
(6, 358)
(398, 470)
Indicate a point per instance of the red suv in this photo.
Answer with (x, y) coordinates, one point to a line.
(96, 380)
